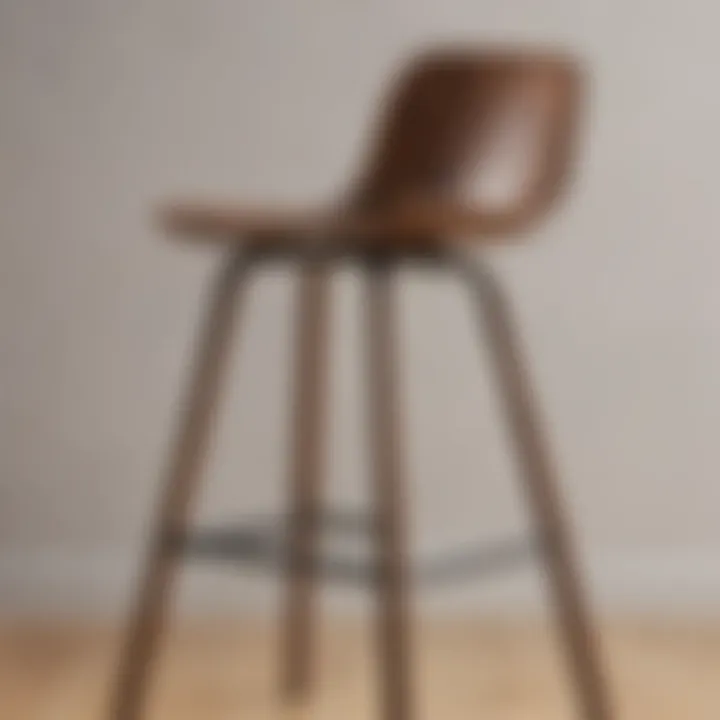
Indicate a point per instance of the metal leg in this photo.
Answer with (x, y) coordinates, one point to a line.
(173, 512)
(393, 618)
(306, 477)
(539, 478)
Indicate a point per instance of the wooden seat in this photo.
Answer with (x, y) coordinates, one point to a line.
(450, 112)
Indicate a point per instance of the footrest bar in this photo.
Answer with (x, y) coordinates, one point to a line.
(267, 548)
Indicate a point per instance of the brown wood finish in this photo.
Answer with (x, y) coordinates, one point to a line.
(497, 668)
(176, 503)
(435, 133)
(309, 430)
(539, 480)
(394, 651)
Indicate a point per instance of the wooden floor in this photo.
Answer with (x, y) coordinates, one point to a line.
(503, 671)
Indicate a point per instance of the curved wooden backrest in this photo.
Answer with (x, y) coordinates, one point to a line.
(454, 114)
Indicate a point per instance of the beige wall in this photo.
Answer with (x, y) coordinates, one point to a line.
(107, 105)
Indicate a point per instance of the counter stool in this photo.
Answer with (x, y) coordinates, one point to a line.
(450, 114)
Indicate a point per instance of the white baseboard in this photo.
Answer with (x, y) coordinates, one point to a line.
(100, 583)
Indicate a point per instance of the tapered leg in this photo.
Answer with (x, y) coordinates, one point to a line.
(309, 414)
(531, 450)
(175, 505)
(393, 614)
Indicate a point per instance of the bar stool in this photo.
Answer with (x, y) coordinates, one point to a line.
(450, 112)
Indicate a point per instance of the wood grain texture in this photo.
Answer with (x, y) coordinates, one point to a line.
(184, 475)
(442, 121)
(394, 626)
(540, 482)
(309, 432)
(467, 669)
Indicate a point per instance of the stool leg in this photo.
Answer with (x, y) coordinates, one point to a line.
(393, 619)
(309, 412)
(175, 505)
(573, 616)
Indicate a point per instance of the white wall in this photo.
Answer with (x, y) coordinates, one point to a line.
(107, 105)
